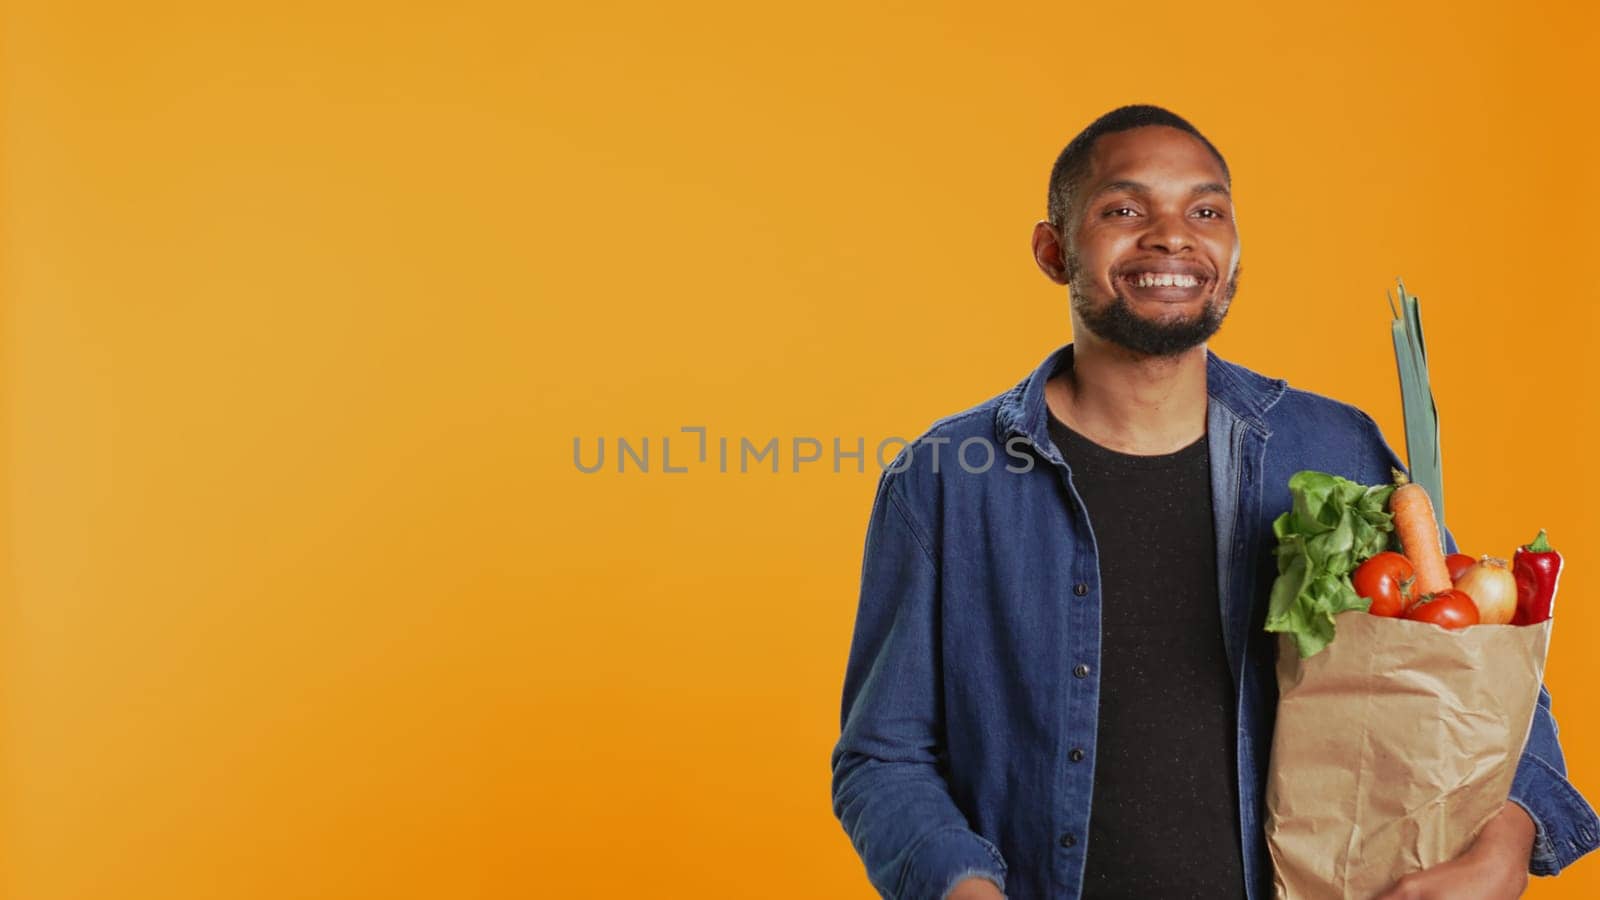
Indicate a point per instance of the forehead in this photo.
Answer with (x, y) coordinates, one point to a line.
(1153, 154)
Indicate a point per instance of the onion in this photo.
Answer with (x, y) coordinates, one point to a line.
(1493, 588)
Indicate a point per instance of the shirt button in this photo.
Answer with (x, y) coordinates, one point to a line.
(1076, 755)
(1067, 840)
(1080, 589)
(1080, 670)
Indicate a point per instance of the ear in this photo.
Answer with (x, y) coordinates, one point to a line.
(1049, 252)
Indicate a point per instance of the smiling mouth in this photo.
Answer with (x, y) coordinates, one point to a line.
(1166, 286)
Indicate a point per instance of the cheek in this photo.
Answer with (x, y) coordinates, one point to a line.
(1225, 250)
(1098, 251)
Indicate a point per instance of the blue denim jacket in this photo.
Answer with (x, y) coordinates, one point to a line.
(974, 664)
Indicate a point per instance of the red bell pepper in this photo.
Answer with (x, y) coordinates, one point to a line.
(1537, 568)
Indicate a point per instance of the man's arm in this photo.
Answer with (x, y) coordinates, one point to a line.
(888, 792)
(976, 889)
(1518, 840)
(1565, 826)
(1493, 868)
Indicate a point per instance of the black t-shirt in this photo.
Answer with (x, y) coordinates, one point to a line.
(1164, 818)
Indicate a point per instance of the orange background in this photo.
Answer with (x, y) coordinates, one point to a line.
(304, 305)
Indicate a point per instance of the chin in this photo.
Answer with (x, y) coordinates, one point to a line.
(1167, 314)
(1127, 326)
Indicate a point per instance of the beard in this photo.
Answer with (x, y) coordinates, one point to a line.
(1117, 323)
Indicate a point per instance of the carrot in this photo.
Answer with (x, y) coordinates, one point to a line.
(1419, 536)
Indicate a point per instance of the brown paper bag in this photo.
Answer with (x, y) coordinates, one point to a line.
(1393, 748)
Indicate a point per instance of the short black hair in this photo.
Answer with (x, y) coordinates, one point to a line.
(1073, 163)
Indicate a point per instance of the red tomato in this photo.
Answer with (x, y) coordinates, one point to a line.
(1447, 609)
(1458, 564)
(1385, 579)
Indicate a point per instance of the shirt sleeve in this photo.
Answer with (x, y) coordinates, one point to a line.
(1565, 826)
(888, 791)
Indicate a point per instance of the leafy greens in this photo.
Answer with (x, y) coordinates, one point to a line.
(1333, 526)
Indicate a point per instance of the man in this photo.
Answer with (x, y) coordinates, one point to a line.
(1011, 663)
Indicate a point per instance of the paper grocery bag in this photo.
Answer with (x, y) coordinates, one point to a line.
(1393, 748)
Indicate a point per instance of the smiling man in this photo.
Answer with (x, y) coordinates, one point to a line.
(1059, 684)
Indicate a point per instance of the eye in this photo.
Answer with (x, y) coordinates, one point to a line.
(1214, 213)
(1113, 212)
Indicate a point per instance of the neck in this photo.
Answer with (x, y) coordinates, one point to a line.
(1129, 402)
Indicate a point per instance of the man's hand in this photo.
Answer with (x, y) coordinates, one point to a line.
(975, 889)
(1494, 867)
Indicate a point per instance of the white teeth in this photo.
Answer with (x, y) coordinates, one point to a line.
(1152, 279)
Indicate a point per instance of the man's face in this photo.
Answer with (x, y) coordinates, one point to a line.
(1153, 258)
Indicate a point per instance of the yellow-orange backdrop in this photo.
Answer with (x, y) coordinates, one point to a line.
(304, 305)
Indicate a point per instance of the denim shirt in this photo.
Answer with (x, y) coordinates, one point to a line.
(973, 668)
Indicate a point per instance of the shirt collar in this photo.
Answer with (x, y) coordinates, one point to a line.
(1246, 394)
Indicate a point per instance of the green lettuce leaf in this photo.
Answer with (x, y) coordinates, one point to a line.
(1333, 525)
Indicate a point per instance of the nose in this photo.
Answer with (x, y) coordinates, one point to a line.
(1168, 231)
